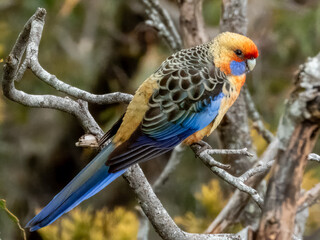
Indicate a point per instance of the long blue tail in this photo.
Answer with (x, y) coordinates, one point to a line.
(88, 182)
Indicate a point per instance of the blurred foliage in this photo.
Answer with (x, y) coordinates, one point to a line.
(190, 223)
(301, 38)
(1, 111)
(211, 197)
(313, 221)
(67, 7)
(151, 60)
(118, 224)
(212, 200)
(211, 12)
(258, 141)
(310, 179)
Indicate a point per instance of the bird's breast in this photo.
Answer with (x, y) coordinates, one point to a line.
(237, 82)
(231, 95)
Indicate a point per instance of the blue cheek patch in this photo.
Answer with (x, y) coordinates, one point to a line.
(237, 68)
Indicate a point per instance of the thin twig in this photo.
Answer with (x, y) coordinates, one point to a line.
(309, 198)
(160, 19)
(234, 181)
(168, 23)
(255, 117)
(212, 162)
(53, 81)
(243, 151)
(256, 170)
(217, 168)
(144, 225)
(175, 159)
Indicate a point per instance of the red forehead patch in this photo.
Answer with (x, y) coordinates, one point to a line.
(251, 51)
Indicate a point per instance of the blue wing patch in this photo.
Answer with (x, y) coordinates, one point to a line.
(146, 145)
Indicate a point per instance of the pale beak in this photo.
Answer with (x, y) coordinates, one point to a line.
(251, 63)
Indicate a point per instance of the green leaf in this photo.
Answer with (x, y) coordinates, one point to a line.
(12, 217)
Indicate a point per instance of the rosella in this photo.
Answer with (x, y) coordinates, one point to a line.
(184, 100)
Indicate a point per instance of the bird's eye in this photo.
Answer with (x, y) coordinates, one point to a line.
(238, 52)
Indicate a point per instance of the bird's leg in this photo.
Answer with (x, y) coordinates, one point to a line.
(200, 149)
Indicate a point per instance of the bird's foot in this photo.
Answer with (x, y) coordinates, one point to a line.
(200, 146)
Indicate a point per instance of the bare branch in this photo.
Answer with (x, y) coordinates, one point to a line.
(22, 41)
(260, 169)
(234, 181)
(243, 151)
(234, 16)
(237, 202)
(53, 81)
(211, 162)
(192, 23)
(300, 223)
(110, 98)
(314, 157)
(309, 198)
(160, 19)
(21, 71)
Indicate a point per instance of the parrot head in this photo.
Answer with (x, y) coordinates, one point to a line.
(234, 54)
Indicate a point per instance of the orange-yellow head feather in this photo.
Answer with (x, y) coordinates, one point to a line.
(233, 53)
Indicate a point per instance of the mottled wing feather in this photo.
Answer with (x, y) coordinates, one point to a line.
(190, 90)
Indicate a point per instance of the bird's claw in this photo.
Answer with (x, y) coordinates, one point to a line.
(200, 146)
